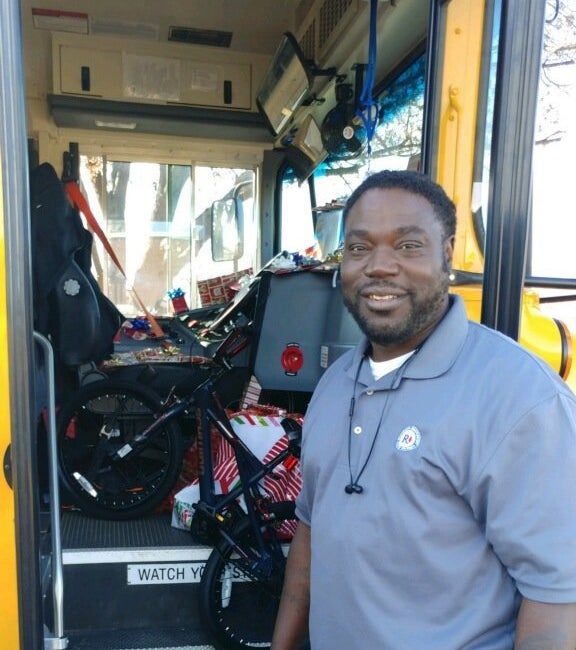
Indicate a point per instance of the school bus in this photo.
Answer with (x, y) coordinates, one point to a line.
(209, 137)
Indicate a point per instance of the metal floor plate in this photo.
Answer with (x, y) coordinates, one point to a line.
(165, 639)
(154, 531)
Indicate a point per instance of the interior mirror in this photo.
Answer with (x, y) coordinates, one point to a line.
(285, 85)
(288, 83)
(227, 230)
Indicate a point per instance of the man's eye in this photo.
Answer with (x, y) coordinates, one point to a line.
(410, 245)
(356, 248)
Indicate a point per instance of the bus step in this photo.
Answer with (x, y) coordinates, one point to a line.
(182, 638)
(130, 575)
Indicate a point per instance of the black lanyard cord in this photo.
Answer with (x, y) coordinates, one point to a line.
(354, 487)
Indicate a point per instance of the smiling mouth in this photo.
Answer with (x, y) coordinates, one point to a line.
(390, 297)
(384, 302)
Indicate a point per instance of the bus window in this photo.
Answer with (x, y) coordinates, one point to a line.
(158, 219)
(553, 218)
(396, 143)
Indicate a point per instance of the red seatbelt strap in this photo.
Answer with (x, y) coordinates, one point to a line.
(78, 201)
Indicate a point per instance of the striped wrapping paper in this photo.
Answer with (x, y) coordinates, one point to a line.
(265, 437)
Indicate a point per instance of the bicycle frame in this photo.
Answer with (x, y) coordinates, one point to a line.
(251, 471)
(213, 507)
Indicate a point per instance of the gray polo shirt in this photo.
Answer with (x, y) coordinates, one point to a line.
(468, 502)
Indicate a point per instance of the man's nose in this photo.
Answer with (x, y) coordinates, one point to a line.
(382, 261)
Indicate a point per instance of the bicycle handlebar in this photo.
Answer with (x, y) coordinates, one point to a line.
(237, 339)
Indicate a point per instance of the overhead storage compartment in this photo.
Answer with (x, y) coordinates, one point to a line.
(123, 75)
(171, 82)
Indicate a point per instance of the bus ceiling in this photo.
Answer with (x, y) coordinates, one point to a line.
(154, 83)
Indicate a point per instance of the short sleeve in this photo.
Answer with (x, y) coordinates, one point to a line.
(525, 498)
(305, 498)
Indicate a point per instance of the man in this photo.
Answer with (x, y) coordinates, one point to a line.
(438, 509)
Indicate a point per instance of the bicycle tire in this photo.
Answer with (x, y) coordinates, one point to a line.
(237, 610)
(127, 488)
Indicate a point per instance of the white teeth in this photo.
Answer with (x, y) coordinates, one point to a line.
(383, 298)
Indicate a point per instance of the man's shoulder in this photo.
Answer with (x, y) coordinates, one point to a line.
(507, 359)
(480, 334)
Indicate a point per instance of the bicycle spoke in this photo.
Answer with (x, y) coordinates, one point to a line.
(95, 428)
(232, 592)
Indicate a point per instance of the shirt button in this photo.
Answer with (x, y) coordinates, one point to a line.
(357, 430)
(369, 392)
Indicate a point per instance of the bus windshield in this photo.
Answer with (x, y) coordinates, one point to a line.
(158, 221)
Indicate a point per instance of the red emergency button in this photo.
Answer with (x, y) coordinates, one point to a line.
(292, 359)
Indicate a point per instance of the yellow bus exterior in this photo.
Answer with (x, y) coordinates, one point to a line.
(459, 89)
(9, 618)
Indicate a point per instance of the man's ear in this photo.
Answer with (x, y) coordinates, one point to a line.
(449, 249)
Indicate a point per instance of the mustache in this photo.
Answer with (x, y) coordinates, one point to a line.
(382, 286)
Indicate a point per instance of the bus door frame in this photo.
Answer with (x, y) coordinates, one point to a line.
(22, 625)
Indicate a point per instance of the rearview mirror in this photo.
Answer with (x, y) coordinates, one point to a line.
(288, 83)
(285, 85)
(227, 230)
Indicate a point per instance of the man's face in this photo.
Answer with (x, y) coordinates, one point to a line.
(395, 269)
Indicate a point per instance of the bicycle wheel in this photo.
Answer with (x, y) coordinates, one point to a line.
(238, 610)
(100, 419)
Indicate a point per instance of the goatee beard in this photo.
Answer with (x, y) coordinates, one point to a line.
(422, 314)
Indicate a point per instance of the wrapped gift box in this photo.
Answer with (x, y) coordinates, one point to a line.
(219, 290)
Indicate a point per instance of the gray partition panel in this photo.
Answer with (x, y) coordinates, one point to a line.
(303, 313)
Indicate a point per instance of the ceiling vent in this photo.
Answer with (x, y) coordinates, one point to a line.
(192, 36)
(308, 41)
(325, 23)
(334, 16)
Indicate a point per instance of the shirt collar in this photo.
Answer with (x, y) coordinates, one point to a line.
(437, 354)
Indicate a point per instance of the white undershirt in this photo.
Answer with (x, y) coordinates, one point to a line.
(381, 368)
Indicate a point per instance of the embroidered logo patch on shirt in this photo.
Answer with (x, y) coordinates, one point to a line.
(408, 439)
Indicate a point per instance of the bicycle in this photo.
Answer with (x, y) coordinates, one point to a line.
(137, 443)
(103, 415)
(245, 571)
